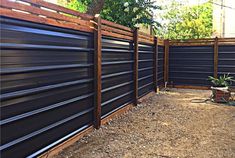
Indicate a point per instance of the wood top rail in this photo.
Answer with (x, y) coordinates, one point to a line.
(202, 42)
(160, 42)
(199, 42)
(42, 20)
(193, 40)
(142, 40)
(226, 41)
(39, 11)
(145, 34)
(151, 40)
(111, 29)
(59, 8)
(33, 11)
(147, 38)
(112, 24)
(116, 30)
(200, 39)
(116, 35)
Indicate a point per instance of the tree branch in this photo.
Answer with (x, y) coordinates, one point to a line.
(95, 7)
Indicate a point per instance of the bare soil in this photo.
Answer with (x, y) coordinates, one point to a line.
(175, 123)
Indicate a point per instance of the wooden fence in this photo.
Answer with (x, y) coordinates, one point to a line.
(64, 72)
(192, 61)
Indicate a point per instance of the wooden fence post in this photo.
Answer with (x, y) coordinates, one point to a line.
(97, 71)
(166, 60)
(155, 65)
(136, 57)
(216, 49)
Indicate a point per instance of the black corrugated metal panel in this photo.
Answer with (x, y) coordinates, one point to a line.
(226, 63)
(117, 74)
(191, 65)
(47, 86)
(160, 65)
(145, 70)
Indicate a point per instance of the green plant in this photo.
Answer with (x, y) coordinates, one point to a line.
(129, 13)
(222, 81)
(185, 22)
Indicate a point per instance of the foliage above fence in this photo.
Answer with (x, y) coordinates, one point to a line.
(183, 22)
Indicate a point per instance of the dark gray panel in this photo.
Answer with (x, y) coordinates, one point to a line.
(160, 65)
(226, 63)
(47, 86)
(145, 71)
(191, 65)
(117, 74)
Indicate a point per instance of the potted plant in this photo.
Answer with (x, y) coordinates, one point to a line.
(220, 88)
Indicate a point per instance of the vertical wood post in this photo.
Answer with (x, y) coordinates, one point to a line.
(166, 60)
(155, 65)
(216, 51)
(136, 57)
(97, 71)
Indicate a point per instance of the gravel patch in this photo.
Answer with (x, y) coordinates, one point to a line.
(175, 123)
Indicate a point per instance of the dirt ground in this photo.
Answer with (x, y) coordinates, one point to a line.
(172, 124)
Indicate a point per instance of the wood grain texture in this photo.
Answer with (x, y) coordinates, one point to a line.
(136, 58)
(155, 64)
(39, 11)
(166, 60)
(42, 20)
(115, 30)
(112, 24)
(160, 42)
(116, 35)
(216, 51)
(59, 8)
(202, 42)
(97, 71)
(146, 41)
(145, 34)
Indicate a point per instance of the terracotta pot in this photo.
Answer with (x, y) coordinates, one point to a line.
(220, 96)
